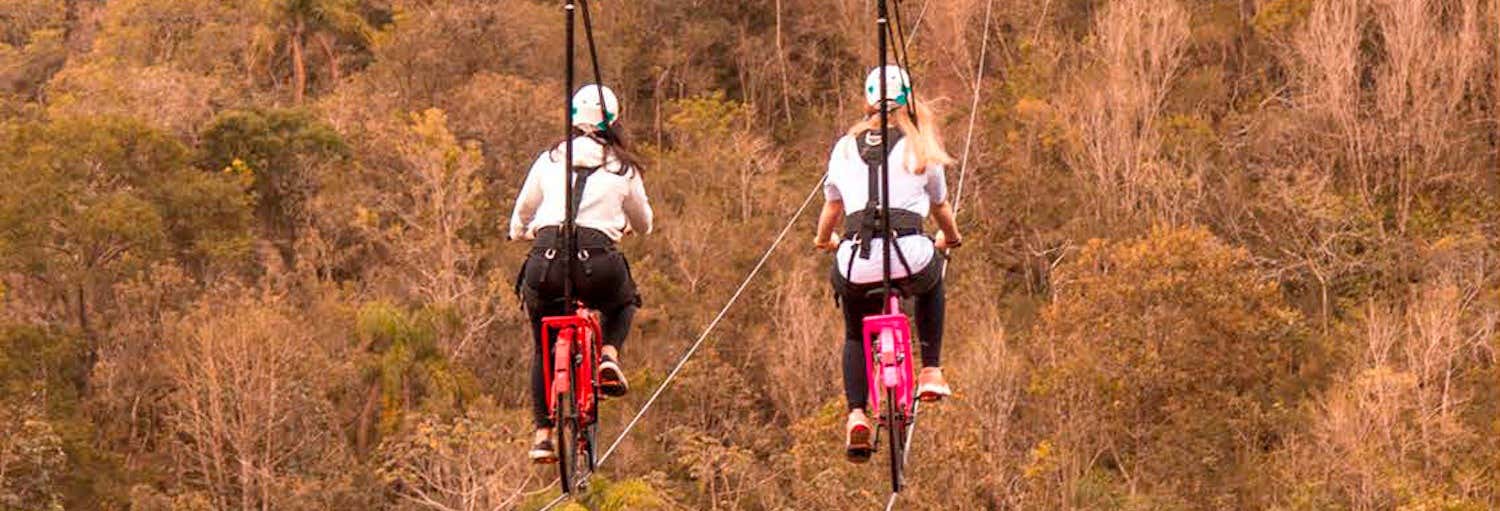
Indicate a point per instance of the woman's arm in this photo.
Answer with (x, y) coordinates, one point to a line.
(948, 236)
(527, 203)
(942, 212)
(637, 206)
(828, 220)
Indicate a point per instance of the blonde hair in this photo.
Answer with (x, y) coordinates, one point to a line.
(922, 137)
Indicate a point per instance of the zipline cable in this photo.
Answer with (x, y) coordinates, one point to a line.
(715, 323)
(917, 25)
(703, 337)
(963, 168)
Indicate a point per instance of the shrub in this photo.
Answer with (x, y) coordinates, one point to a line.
(1172, 366)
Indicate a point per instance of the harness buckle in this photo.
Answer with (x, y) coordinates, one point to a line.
(583, 255)
(550, 254)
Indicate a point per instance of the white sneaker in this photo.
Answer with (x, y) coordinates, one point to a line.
(931, 386)
(542, 450)
(857, 437)
(611, 379)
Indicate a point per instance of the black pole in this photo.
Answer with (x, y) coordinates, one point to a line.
(568, 231)
(882, 24)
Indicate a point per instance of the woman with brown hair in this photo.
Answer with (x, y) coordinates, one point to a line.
(610, 201)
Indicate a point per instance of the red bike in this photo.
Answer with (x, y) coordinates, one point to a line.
(573, 391)
(888, 360)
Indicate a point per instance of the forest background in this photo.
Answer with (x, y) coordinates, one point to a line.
(1222, 254)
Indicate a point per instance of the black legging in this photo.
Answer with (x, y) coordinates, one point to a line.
(603, 281)
(858, 304)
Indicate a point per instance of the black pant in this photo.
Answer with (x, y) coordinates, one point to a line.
(926, 287)
(601, 281)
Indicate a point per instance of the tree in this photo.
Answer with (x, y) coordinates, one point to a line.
(250, 417)
(280, 151)
(325, 21)
(90, 201)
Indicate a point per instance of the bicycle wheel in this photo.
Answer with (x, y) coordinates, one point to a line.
(898, 438)
(590, 449)
(567, 438)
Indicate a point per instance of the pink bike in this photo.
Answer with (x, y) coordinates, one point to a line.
(888, 360)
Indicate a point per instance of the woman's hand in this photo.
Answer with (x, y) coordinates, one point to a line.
(826, 239)
(943, 242)
(828, 244)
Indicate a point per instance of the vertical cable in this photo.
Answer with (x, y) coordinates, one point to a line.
(882, 25)
(568, 230)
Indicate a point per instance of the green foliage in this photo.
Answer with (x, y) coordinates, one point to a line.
(110, 194)
(281, 149)
(1278, 17)
(707, 118)
(46, 440)
(41, 366)
(606, 495)
(406, 365)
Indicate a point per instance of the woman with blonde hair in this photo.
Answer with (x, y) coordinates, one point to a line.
(917, 190)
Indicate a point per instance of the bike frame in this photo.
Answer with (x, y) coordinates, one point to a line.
(558, 359)
(573, 391)
(888, 357)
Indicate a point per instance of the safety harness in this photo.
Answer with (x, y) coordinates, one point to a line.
(864, 225)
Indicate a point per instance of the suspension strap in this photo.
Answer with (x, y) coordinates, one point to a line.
(883, 30)
(957, 202)
(606, 116)
(903, 59)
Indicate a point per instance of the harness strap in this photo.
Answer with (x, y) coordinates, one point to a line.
(902, 222)
(580, 178)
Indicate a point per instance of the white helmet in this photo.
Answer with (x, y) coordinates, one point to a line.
(897, 86)
(586, 111)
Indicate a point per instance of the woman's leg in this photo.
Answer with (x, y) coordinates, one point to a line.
(540, 416)
(538, 283)
(616, 325)
(856, 375)
(608, 287)
(930, 312)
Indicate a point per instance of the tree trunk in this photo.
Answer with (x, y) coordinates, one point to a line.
(325, 42)
(786, 100)
(299, 64)
(91, 355)
(366, 423)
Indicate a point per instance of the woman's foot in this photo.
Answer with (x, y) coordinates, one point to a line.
(542, 450)
(857, 437)
(611, 378)
(931, 386)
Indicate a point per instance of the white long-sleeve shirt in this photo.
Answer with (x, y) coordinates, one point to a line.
(849, 181)
(614, 197)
